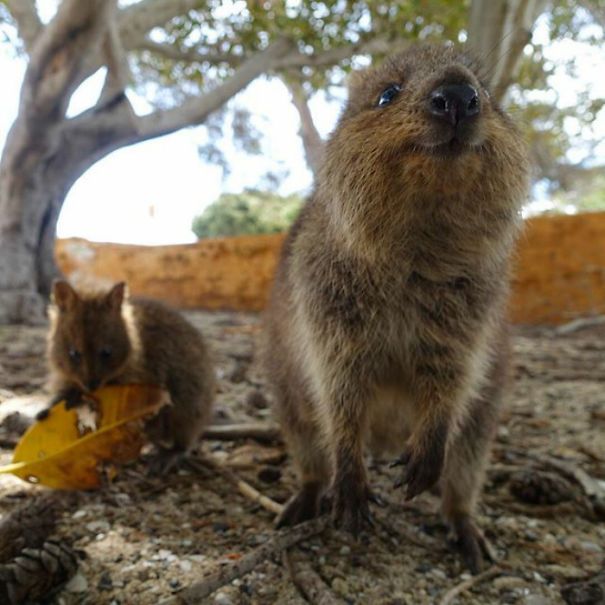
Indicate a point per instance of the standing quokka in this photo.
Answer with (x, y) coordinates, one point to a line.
(386, 325)
(99, 338)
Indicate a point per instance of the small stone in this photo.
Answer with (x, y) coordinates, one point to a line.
(100, 537)
(269, 474)
(509, 583)
(563, 571)
(173, 583)
(340, 586)
(591, 547)
(97, 527)
(256, 400)
(536, 599)
(77, 584)
(105, 582)
(198, 558)
(143, 575)
(345, 550)
(222, 599)
(220, 526)
(79, 514)
(185, 565)
(438, 573)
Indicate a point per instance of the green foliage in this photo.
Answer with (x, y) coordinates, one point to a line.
(227, 32)
(587, 196)
(248, 213)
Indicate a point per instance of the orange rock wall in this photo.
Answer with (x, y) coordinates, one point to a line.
(560, 271)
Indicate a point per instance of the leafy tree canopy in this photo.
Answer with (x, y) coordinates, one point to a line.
(248, 213)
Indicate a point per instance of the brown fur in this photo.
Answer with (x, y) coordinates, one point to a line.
(385, 325)
(118, 341)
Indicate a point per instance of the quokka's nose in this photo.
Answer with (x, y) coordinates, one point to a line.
(454, 103)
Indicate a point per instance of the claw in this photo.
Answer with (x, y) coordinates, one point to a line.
(473, 546)
(400, 460)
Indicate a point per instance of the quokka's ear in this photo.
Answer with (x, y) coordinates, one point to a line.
(63, 295)
(117, 295)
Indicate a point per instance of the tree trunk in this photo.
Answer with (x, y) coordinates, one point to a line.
(498, 30)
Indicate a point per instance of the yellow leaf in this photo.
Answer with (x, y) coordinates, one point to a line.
(70, 449)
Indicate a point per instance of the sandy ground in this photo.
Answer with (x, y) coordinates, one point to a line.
(146, 538)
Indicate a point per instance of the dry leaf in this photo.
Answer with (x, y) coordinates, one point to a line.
(70, 449)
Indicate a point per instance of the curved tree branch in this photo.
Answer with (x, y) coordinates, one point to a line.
(28, 22)
(312, 141)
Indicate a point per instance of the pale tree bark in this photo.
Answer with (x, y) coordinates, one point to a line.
(313, 144)
(498, 30)
(45, 152)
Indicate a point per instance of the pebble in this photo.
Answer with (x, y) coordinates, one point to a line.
(438, 573)
(345, 550)
(173, 583)
(185, 565)
(77, 584)
(565, 571)
(222, 599)
(591, 547)
(509, 583)
(97, 527)
(79, 514)
(198, 558)
(220, 526)
(105, 582)
(341, 586)
(536, 599)
(269, 474)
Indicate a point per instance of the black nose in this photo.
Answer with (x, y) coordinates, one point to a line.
(454, 102)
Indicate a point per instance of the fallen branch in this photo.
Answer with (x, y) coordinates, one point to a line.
(457, 590)
(578, 324)
(243, 487)
(223, 574)
(262, 432)
(309, 582)
(589, 485)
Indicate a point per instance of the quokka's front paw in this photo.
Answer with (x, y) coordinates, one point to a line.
(423, 467)
(72, 397)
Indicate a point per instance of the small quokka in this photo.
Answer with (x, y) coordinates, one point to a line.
(99, 338)
(386, 327)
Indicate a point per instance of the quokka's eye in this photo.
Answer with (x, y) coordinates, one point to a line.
(105, 353)
(75, 356)
(388, 94)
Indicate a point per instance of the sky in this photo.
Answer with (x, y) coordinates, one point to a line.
(150, 192)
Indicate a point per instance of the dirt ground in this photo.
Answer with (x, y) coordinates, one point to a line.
(145, 538)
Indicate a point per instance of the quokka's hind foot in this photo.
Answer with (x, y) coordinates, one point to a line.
(304, 505)
(473, 546)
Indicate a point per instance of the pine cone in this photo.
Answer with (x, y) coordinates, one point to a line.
(37, 572)
(29, 525)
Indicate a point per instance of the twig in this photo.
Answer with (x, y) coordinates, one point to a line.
(243, 487)
(582, 478)
(223, 574)
(457, 590)
(309, 582)
(578, 324)
(262, 432)
(548, 511)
